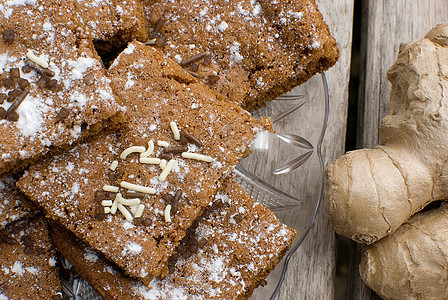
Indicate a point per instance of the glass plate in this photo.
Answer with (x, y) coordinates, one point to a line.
(284, 172)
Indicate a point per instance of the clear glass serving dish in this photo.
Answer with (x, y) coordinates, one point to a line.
(284, 172)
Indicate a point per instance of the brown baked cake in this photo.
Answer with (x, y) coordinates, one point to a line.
(227, 254)
(111, 20)
(13, 205)
(53, 87)
(195, 138)
(28, 263)
(250, 51)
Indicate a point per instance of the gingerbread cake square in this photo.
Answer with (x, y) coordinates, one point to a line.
(53, 88)
(28, 262)
(112, 21)
(250, 51)
(13, 204)
(225, 255)
(154, 177)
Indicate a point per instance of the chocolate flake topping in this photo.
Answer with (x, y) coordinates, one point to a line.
(142, 222)
(26, 69)
(7, 239)
(27, 241)
(12, 95)
(193, 59)
(160, 41)
(42, 71)
(62, 114)
(212, 79)
(8, 83)
(194, 74)
(13, 117)
(8, 36)
(175, 201)
(157, 27)
(2, 113)
(167, 197)
(17, 102)
(14, 73)
(184, 136)
(132, 194)
(23, 83)
(3, 97)
(175, 150)
(165, 156)
(89, 79)
(238, 218)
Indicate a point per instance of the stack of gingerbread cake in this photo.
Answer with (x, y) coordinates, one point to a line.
(121, 124)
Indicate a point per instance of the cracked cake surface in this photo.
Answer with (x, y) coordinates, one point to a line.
(160, 97)
(226, 254)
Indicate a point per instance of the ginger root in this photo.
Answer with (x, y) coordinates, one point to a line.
(370, 193)
(411, 263)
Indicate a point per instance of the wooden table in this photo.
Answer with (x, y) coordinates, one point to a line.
(385, 24)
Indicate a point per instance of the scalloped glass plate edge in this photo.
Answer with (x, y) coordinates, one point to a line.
(278, 200)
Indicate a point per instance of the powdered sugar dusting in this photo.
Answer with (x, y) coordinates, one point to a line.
(31, 116)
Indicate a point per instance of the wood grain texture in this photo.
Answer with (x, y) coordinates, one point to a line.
(386, 24)
(312, 268)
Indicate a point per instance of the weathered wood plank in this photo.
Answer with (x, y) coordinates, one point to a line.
(386, 24)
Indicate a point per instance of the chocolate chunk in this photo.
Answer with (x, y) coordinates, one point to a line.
(8, 36)
(23, 83)
(8, 83)
(193, 59)
(160, 41)
(167, 197)
(238, 218)
(2, 113)
(132, 194)
(207, 59)
(42, 71)
(175, 150)
(51, 83)
(7, 240)
(42, 82)
(166, 156)
(26, 69)
(12, 95)
(63, 114)
(157, 28)
(194, 74)
(100, 215)
(184, 136)
(56, 88)
(146, 222)
(27, 240)
(202, 243)
(194, 67)
(175, 201)
(18, 101)
(3, 97)
(212, 79)
(89, 79)
(57, 297)
(13, 116)
(14, 73)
